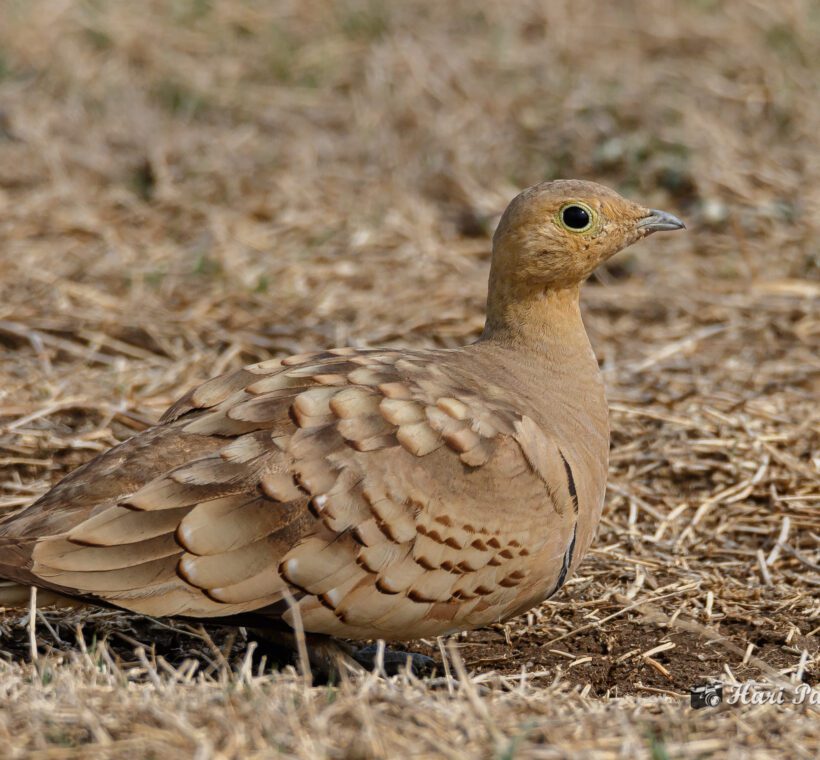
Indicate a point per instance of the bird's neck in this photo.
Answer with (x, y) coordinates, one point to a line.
(545, 323)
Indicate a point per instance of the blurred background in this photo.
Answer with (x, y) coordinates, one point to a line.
(189, 185)
(301, 161)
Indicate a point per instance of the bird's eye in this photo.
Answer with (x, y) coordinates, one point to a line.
(576, 218)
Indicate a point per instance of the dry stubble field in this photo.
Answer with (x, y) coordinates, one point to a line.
(189, 186)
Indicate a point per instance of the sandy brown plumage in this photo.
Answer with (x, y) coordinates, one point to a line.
(393, 494)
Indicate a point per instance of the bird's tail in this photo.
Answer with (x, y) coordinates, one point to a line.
(19, 595)
(16, 579)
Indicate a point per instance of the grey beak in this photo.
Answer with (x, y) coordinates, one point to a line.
(660, 221)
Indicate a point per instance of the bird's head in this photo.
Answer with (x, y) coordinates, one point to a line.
(555, 234)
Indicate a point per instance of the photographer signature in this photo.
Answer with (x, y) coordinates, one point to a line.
(751, 693)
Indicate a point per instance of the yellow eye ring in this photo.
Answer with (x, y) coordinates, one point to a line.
(576, 217)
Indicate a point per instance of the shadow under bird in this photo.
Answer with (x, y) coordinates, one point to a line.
(375, 494)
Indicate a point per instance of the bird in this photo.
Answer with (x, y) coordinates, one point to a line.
(364, 494)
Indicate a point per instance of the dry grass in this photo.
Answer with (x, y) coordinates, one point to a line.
(188, 186)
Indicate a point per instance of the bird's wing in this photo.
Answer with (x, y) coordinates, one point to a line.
(389, 493)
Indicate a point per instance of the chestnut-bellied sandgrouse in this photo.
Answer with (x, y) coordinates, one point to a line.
(375, 493)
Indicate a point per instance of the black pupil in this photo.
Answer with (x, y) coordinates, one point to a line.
(575, 217)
